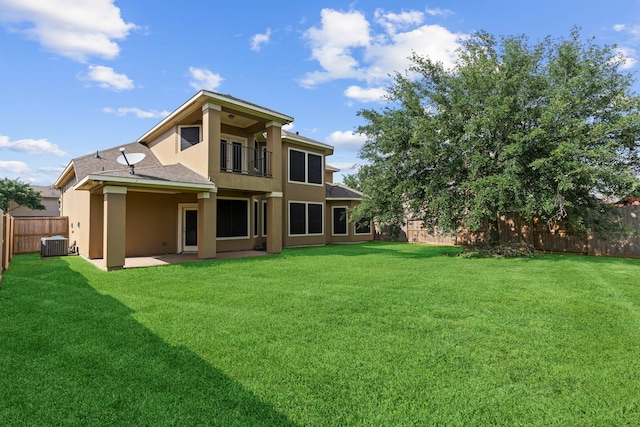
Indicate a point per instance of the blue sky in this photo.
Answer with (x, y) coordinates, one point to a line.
(81, 75)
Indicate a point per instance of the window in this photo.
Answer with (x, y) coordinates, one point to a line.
(189, 136)
(314, 213)
(363, 227)
(233, 218)
(255, 218)
(305, 218)
(297, 166)
(264, 218)
(339, 221)
(305, 167)
(297, 218)
(236, 157)
(314, 175)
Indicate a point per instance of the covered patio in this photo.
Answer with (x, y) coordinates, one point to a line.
(156, 260)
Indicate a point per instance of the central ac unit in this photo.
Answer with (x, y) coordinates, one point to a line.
(53, 246)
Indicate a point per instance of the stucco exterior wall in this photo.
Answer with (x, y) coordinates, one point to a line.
(76, 205)
(351, 236)
(152, 223)
(301, 192)
(167, 149)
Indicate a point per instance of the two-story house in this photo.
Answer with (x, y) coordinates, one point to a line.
(218, 174)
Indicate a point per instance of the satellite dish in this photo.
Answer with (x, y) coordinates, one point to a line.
(130, 160)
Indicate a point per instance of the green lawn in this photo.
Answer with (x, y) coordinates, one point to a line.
(375, 334)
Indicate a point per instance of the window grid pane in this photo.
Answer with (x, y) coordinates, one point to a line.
(315, 169)
(297, 166)
(189, 136)
(315, 218)
(340, 221)
(297, 218)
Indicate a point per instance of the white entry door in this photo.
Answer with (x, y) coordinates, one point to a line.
(188, 228)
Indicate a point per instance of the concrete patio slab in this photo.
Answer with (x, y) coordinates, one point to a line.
(154, 260)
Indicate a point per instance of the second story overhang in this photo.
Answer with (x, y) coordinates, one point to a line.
(235, 112)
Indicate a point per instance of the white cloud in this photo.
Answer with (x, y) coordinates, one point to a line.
(332, 44)
(107, 78)
(259, 39)
(34, 146)
(634, 30)
(432, 41)
(439, 12)
(77, 29)
(347, 140)
(288, 127)
(347, 46)
(139, 113)
(392, 22)
(372, 94)
(629, 57)
(48, 169)
(201, 78)
(13, 166)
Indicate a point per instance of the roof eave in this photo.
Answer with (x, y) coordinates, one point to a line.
(203, 96)
(303, 141)
(62, 178)
(92, 182)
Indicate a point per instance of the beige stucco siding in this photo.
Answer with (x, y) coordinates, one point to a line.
(167, 149)
(351, 235)
(301, 193)
(76, 206)
(152, 223)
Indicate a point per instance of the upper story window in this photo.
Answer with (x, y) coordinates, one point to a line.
(305, 167)
(189, 136)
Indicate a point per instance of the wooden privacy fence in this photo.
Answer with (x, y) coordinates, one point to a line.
(27, 232)
(516, 230)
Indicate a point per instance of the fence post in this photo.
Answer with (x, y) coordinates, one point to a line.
(2, 248)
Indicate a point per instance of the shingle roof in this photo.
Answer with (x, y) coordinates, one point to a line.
(339, 191)
(104, 163)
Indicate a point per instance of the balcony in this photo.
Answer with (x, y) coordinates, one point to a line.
(240, 159)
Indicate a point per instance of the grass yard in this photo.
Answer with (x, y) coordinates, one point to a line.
(377, 334)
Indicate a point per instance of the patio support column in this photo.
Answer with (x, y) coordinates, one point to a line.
(114, 231)
(207, 222)
(274, 145)
(211, 135)
(274, 225)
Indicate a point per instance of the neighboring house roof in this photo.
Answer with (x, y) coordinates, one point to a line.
(341, 192)
(100, 168)
(46, 191)
(49, 199)
(331, 168)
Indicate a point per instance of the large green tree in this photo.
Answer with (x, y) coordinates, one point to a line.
(20, 193)
(547, 130)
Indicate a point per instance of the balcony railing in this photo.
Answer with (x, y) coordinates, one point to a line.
(237, 158)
